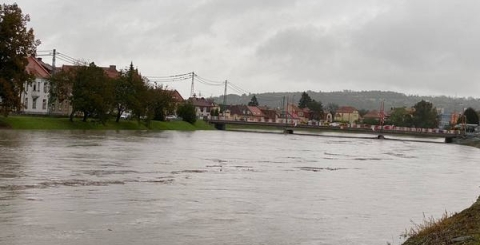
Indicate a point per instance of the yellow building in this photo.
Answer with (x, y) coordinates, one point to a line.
(346, 114)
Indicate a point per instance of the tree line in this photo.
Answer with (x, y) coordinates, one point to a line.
(89, 90)
(92, 93)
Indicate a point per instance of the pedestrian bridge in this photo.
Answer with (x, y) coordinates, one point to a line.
(448, 135)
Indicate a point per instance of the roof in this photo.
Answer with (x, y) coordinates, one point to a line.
(372, 114)
(201, 102)
(237, 109)
(269, 113)
(35, 67)
(255, 111)
(110, 71)
(346, 109)
(47, 67)
(294, 107)
(176, 96)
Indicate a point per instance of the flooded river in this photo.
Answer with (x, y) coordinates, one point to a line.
(216, 187)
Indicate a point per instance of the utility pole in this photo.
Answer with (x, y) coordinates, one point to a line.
(287, 112)
(283, 111)
(192, 90)
(382, 114)
(225, 97)
(53, 60)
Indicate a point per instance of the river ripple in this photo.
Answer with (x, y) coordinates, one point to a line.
(213, 187)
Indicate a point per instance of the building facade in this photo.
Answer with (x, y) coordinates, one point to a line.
(35, 95)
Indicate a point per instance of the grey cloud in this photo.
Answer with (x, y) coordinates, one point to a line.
(401, 45)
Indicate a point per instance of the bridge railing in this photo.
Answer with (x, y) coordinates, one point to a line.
(352, 127)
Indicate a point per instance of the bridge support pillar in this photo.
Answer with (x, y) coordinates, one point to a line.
(288, 131)
(449, 140)
(220, 126)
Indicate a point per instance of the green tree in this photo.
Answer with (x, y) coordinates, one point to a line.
(425, 115)
(470, 115)
(362, 112)
(316, 110)
(159, 103)
(130, 91)
(304, 100)
(60, 86)
(253, 101)
(400, 117)
(88, 88)
(92, 93)
(187, 112)
(17, 42)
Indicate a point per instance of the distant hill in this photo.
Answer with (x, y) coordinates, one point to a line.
(368, 100)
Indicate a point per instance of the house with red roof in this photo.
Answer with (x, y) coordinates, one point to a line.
(271, 115)
(203, 106)
(35, 95)
(244, 113)
(297, 112)
(375, 115)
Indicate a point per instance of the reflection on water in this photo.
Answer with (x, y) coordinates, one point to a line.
(212, 187)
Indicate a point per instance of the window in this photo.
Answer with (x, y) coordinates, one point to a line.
(34, 86)
(34, 104)
(44, 104)
(26, 103)
(45, 87)
(38, 87)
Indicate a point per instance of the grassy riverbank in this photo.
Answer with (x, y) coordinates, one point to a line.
(60, 123)
(460, 228)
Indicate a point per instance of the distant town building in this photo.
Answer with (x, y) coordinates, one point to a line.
(346, 114)
(203, 106)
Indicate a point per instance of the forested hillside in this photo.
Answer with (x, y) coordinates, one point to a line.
(369, 100)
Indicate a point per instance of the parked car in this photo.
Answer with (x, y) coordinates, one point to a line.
(170, 117)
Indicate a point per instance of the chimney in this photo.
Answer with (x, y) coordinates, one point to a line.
(113, 67)
(39, 59)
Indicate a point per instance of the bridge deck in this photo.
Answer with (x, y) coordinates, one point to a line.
(412, 132)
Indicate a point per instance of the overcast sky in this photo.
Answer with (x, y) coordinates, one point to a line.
(424, 47)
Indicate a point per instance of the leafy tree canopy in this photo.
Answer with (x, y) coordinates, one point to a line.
(316, 110)
(187, 112)
(425, 115)
(160, 103)
(130, 93)
(253, 101)
(400, 117)
(17, 42)
(88, 88)
(304, 100)
(471, 116)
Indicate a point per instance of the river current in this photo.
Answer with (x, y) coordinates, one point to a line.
(220, 187)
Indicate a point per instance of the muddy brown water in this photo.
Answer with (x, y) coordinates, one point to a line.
(213, 187)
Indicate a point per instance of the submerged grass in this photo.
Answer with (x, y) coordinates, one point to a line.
(62, 123)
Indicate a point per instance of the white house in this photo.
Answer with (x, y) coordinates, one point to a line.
(35, 96)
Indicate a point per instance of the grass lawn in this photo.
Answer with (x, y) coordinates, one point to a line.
(61, 123)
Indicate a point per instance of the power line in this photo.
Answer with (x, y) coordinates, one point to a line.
(154, 79)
